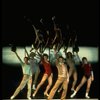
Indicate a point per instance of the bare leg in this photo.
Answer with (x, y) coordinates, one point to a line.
(70, 72)
(49, 84)
(79, 86)
(75, 80)
(88, 87)
(45, 76)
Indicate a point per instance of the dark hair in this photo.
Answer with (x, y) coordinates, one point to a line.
(68, 54)
(45, 55)
(61, 57)
(26, 58)
(84, 58)
(32, 54)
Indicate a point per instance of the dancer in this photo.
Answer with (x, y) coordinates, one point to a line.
(34, 67)
(88, 76)
(72, 70)
(72, 61)
(63, 78)
(47, 75)
(27, 77)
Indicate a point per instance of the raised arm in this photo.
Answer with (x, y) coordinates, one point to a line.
(56, 35)
(75, 45)
(65, 50)
(60, 33)
(78, 57)
(47, 41)
(34, 28)
(32, 48)
(18, 57)
(26, 52)
(39, 54)
(13, 49)
(53, 18)
(56, 56)
(36, 33)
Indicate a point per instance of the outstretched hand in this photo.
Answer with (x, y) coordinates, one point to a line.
(13, 48)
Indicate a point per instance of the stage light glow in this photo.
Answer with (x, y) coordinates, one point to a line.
(8, 57)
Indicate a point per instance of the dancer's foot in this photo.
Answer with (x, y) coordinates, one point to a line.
(29, 98)
(86, 96)
(59, 91)
(33, 87)
(72, 90)
(46, 94)
(33, 95)
(73, 94)
(12, 97)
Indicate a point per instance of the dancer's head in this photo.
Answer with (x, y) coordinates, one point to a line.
(45, 56)
(26, 59)
(84, 60)
(69, 55)
(32, 55)
(61, 59)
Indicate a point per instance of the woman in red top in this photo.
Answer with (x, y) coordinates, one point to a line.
(47, 75)
(88, 76)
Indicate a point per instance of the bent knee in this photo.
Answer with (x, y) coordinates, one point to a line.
(65, 90)
(50, 84)
(80, 84)
(20, 88)
(41, 83)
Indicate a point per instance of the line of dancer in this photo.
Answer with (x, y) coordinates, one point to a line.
(66, 66)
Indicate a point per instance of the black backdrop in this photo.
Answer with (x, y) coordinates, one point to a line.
(81, 16)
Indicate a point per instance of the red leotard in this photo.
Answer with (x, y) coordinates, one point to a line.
(47, 67)
(87, 70)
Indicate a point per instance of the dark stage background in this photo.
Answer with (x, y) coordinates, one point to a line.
(81, 16)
